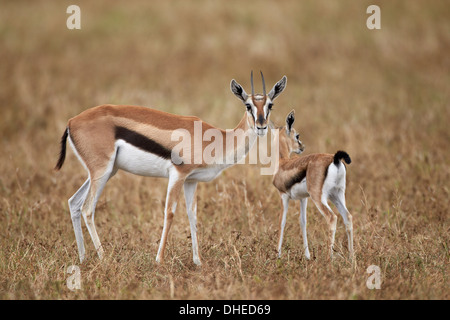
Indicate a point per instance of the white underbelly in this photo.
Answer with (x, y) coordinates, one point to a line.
(206, 174)
(299, 190)
(134, 160)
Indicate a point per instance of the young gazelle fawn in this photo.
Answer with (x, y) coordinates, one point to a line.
(318, 176)
(140, 140)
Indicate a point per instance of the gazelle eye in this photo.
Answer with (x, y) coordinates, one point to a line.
(297, 136)
(249, 106)
(270, 106)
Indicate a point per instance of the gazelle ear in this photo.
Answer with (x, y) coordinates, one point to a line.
(290, 121)
(278, 88)
(238, 91)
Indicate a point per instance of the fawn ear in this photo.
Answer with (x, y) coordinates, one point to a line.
(238, 91)
(290, 121)
(277, 88)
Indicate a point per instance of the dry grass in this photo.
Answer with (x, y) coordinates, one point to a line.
(383, 96)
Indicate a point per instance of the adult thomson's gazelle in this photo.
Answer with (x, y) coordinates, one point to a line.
(319, 176)
(141, 141)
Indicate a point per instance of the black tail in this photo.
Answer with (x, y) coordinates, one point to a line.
(342, 155)
(62, 154)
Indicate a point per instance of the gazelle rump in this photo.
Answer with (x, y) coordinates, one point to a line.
(139, 140)
(319, 176)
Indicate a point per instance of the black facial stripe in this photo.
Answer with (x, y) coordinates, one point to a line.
(142, 142)
(298, 177)
(250, 109)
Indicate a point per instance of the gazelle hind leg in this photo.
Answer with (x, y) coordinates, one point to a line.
(283, 213)
(330, 218)
(75, 205)
(96, 187)
(173, 193)
(191, 208)
(339, 201)
(88, 211)
(302, 218)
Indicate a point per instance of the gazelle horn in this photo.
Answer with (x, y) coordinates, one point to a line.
(251, 81)
(264, 83)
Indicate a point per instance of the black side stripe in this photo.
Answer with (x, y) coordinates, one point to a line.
(298, 177)
(142, 142)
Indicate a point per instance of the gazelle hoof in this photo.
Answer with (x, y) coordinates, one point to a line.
(197, 262)
(307, 255)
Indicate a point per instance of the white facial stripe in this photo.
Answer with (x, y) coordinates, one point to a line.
(253, 108)
(254, 112)
(266, 108)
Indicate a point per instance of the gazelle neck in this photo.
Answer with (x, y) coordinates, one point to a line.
(284, 151)
(245, 137)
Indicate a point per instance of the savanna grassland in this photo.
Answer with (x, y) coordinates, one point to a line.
(381, 95)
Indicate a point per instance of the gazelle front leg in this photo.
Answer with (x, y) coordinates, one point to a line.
(303, 205)
(190, 188)
(173, 193)
(283, 213)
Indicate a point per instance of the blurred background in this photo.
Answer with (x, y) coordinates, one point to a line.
(381, 95)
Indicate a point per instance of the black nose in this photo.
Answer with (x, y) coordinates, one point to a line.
(260, 119)
(261, 128)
